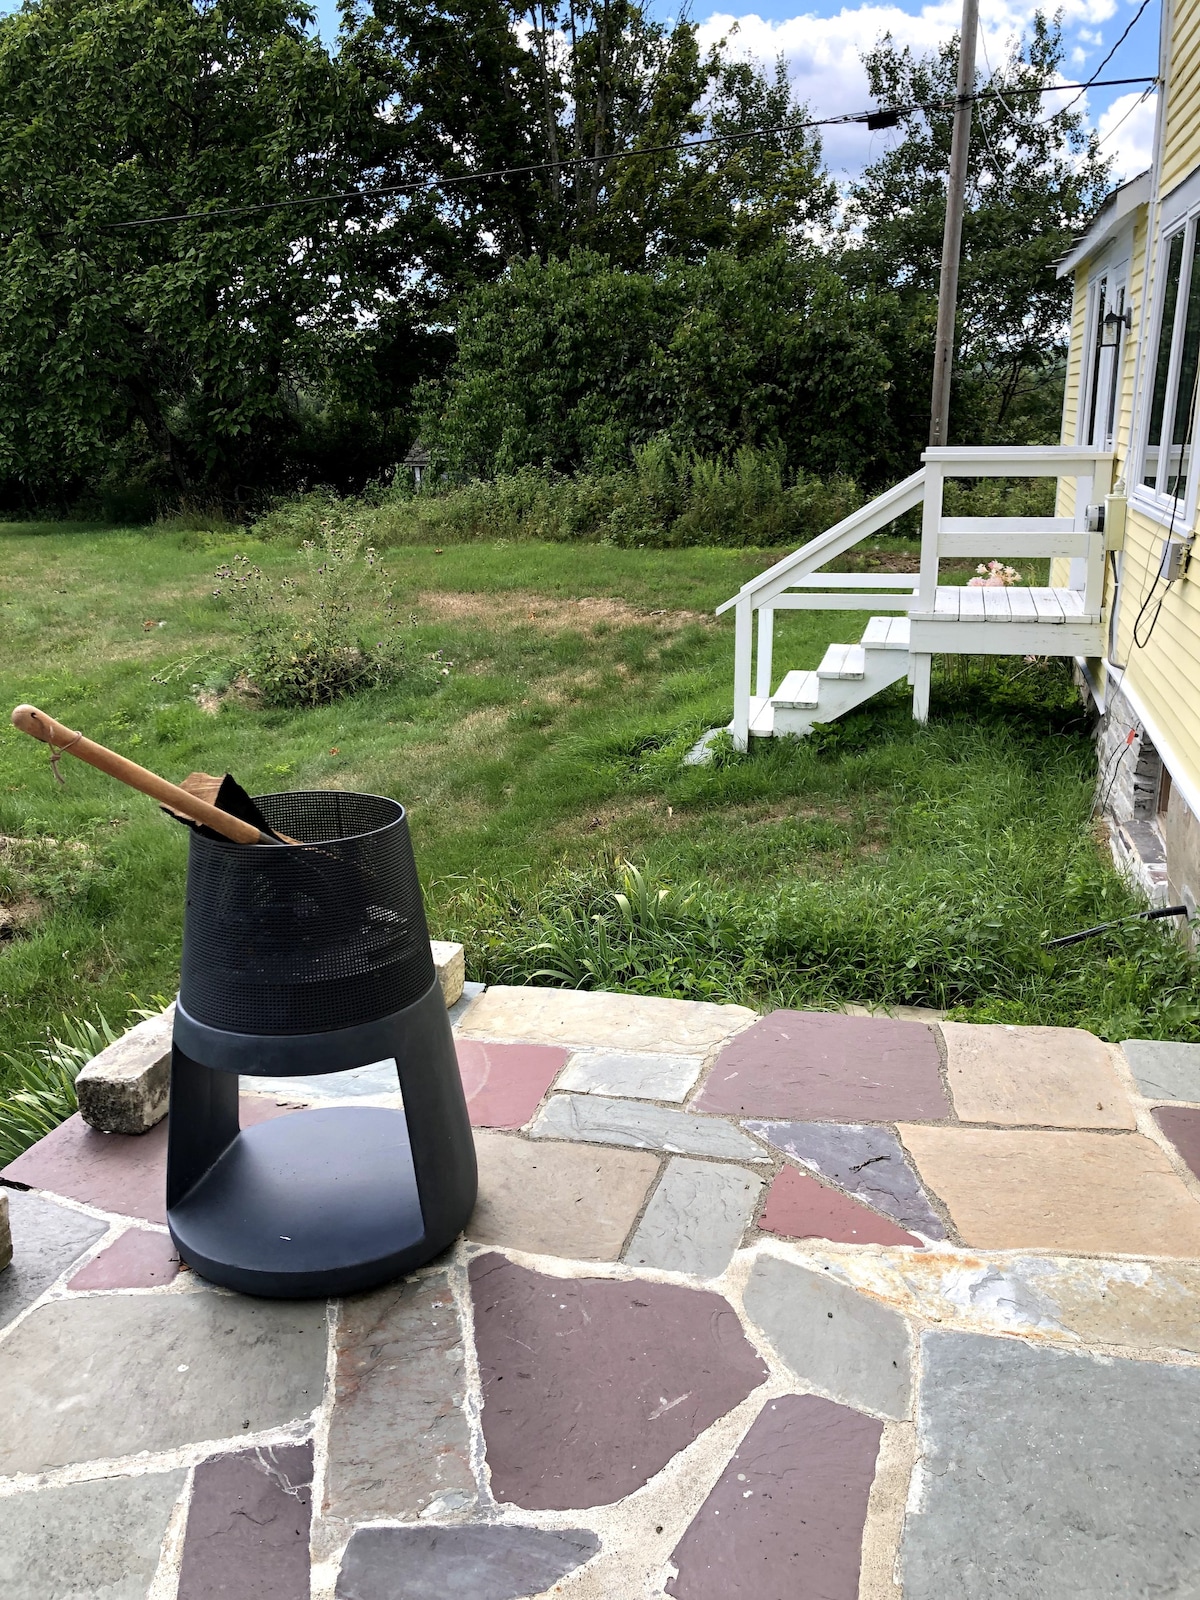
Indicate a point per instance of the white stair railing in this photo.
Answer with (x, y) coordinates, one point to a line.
(769, 592)
(795, 583)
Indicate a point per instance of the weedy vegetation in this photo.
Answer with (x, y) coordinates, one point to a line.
(536, 729)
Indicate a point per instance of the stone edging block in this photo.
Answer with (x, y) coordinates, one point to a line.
(450, 962)
(5, 1233)
(124, 1088)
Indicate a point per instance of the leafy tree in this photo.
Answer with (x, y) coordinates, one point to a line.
(201, 345)
(574, 88)
(574, 363)
(1034, 178)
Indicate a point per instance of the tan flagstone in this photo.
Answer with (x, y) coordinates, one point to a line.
(1047, 1077)
(571, 1200)
(1103, 1194)
(1143, 1304)
(604, 1021)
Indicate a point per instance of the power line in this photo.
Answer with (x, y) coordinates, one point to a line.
(1094, 81)
(417, 185)
(1124, 118)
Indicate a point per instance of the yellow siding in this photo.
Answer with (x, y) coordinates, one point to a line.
(1065, 501)
(1181, 136)
(1075, 360)
(1166, 674)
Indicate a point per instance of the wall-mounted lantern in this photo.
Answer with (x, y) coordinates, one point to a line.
(1114, 321)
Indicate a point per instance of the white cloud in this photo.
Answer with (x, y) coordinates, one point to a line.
(1126, 130)
(824, 54)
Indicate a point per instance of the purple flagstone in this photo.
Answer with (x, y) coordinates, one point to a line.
(139, 1259)
(247, 1529)
(867, 1163)
(786, 1516)
(820, 1064)
(119, 1172)
(1181, 1124)
(590, 1386)
(479, 1563)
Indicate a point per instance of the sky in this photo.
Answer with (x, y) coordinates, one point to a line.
(822, 41)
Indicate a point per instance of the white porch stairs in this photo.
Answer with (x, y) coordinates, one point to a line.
(848, 675)
(1058, 620)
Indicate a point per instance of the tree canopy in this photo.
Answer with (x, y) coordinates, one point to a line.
(549, 278)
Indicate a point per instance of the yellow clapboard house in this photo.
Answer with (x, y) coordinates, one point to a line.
(1132, 390)
(1123, 599)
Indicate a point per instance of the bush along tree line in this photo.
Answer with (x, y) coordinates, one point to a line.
(636, 323)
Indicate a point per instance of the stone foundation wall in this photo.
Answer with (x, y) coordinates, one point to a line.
(1183, 854)
(1159, 853)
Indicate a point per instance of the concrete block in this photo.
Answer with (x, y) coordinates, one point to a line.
(5, 1233)
(450, 962)
(124, 1089)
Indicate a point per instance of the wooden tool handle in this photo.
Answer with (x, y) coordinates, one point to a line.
(32, 721)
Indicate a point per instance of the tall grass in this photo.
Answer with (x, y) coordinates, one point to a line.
(665, 499)
(41, 1081)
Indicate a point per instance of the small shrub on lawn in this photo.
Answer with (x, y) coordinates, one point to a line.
(327, 633)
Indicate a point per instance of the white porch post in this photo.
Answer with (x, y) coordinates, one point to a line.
(931, 530)
(918, 675)
(1078, 573)
(743, 649)
(766, 642)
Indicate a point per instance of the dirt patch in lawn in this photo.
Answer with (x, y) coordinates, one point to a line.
(551, 613)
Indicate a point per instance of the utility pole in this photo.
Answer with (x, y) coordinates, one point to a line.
(956, 186)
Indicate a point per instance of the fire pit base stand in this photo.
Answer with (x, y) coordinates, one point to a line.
(323, 1201)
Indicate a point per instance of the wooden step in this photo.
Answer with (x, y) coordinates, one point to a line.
(762, 717)
(843, 661)
(798, 691)
(886, 633)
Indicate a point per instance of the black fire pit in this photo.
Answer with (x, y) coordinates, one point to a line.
(301, 959)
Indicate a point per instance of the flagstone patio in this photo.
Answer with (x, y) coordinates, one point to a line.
(750, 1309)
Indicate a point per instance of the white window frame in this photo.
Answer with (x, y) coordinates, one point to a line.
(1112, 273)
(1179, 211)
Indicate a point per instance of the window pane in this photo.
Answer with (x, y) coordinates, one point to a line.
(1097, 360)
(1162, 367)
(1185, 392)
(1109, 418)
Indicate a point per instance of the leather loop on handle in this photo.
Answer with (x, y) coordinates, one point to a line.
(39, 726)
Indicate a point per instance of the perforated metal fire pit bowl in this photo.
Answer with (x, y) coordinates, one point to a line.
(301, 959)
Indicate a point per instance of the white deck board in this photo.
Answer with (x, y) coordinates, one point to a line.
(875, 634)
(798, 691)
(843, 661)
(1021, 603)
(1047, 605)
(970, 604)
(995, 605)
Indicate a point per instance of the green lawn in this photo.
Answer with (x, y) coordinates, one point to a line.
(877, 862)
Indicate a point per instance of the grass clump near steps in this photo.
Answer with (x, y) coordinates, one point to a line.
(937, 865)
(539, 750)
